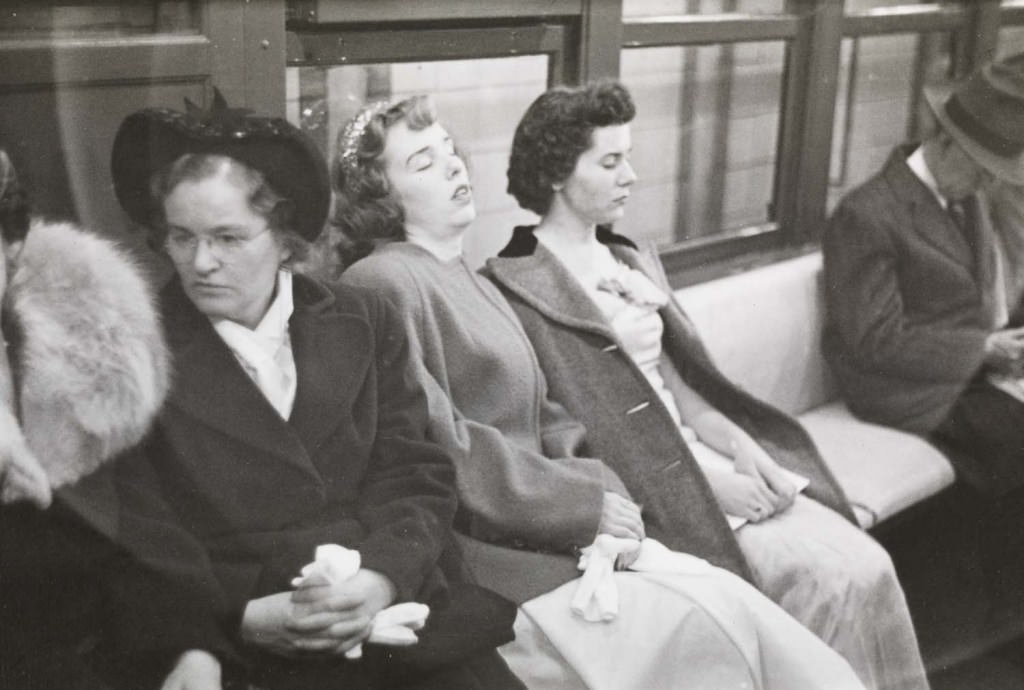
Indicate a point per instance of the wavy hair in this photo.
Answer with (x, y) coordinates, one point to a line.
(555, 131)
(366, 212)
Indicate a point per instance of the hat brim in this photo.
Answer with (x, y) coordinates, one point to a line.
(1006, 169)
(148, 141)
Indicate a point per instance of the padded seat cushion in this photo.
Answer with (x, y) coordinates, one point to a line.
(882, 470)
(762, 328)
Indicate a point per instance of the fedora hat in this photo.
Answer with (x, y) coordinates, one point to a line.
(984, 113)
(149, 140)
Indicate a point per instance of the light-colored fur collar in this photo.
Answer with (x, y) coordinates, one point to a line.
(91, 363)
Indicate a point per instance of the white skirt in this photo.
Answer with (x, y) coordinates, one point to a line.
(699, 632)
(835, 579)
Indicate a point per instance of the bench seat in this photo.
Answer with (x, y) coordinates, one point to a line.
(882, 470)
(763, 329)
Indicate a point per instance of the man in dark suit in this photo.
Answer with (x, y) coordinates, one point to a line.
(921, 332)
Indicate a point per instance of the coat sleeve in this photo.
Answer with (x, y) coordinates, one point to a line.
(866, 307)
(408, 498)
(508, 494)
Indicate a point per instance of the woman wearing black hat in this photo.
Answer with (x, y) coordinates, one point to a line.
(293, 422)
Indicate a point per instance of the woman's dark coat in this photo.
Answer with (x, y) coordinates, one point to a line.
(90, 369)
(249, 496)
(627, 424)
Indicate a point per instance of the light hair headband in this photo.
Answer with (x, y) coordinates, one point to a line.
(348, 142)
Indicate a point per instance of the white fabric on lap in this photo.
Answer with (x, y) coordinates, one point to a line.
(703, 632)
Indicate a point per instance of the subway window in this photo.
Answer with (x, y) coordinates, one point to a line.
(704, 139)
(479, 101)
(658, 8)
(879, 104)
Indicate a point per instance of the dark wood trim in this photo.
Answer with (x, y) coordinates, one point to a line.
(982, 33)
(735, 263)
(905, 19)
(699, 256)
(248, 53)
(378, 11)
(564, 61)
(600, 35)
(805, 139)
(318, 47)
(849, 107)
(264, 55)
(707, 29)
(221, 22)
(96, 60)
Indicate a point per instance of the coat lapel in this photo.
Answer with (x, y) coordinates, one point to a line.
(210, 386)
(541, 281)
(930, 222)
(678, 326)
(333, 350)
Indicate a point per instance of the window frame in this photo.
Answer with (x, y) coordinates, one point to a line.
(576, 35)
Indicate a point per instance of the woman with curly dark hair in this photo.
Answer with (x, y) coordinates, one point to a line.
(708, 461)
(529, 498)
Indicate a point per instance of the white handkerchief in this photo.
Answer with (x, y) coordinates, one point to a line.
(597, 598)
(394, 625)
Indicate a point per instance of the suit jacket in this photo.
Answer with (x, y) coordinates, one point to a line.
(232, 500)
(628, 426)
(909, 299)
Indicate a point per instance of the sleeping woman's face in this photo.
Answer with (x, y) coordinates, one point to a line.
(430, 179)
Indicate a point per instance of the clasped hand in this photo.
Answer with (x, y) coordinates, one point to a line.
(318, 619)
(621, 517)
(757, 489)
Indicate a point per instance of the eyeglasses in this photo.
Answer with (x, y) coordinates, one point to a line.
(182, 246)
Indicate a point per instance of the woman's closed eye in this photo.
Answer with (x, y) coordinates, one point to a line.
(612, 161)
(421, 162)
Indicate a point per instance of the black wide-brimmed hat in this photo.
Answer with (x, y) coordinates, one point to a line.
(985, 115)
(149, 140)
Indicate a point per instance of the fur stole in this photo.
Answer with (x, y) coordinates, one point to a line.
(89, 358)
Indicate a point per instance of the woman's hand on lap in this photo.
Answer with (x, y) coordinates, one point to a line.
(741, 495)
(334, 618)
(277, 625)
(781, 489)
(620, 517)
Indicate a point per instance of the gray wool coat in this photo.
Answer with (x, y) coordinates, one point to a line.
(628, 426)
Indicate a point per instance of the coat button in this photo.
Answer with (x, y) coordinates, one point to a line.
(636, 408)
